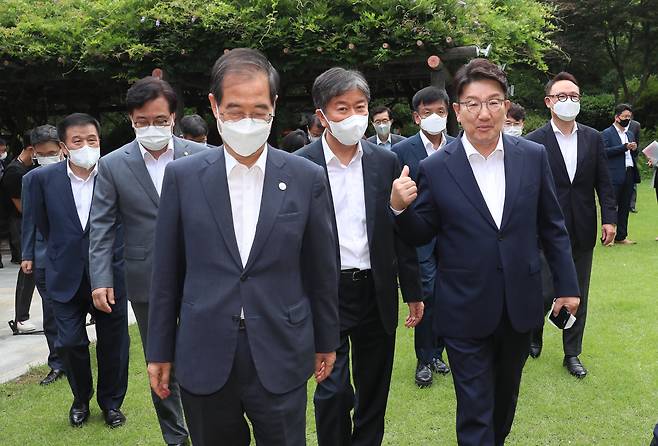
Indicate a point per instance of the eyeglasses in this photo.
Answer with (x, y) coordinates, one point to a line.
(382, 121)
(562, 97)
(233, 116)
(160, 122)
(474, 107)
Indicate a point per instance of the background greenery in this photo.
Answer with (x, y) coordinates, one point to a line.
(614, 405)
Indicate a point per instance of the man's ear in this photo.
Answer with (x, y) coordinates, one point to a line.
(213, 104)
(63, 148)
(322, 119)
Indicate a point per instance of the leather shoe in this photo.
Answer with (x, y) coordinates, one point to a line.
(423, 375)
(114, 418)
(535, 350)
(79, 413)
(52, 376)
(438, 366)
(574, 366)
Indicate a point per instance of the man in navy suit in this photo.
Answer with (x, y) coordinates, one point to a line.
(244, 295)
(382, 121)
(489, 199)
(62, 194)
(621, 149)
(431, 105)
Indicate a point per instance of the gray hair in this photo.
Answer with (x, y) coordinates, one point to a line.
(335, 82)
(43, 133)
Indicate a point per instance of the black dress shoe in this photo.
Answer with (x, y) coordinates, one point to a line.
(79, 413)
(423, 375)
(52, 376)
(438, 366)
(114, 418)
(535, 350)
(574, 366)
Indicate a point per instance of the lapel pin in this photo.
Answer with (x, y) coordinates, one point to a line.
(186, 153)
(282, 186)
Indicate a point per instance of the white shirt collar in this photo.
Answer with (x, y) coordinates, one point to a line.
(428, 144)
(170, 149)
(557, 130)
(329, 155)
(379, 141)
(72, 175)
(232, 162)
(623, 129)
(470, 150)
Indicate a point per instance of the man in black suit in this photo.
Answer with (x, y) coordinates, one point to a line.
(244, 294)
(579, 167)
(488, 199)
(370, 255)
(382, 121)
(431, 105)
(621, 150)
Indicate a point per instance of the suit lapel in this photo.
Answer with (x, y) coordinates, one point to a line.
(275, 184)
(553, 149)
(582, 151)
(136, 165)
(460, 169)
(513, 168)
(370, 167)
(418, 149)
(180, 148)
(215, 188)
(64, 185)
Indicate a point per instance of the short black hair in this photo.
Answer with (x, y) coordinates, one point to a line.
(245, 61)
(294, 140)
(43, 133)
(3, 142)
(516, 112)
(148, 89)
(313, 121)
(76, 119)
(429, 95)
(26, 138)
(193, 125)
(561, 76)
(479, 70)
(621, 108)
(381, 109)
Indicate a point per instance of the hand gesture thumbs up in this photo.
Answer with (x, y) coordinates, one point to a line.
(404, 191)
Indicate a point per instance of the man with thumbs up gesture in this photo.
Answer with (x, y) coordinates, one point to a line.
(489, 199)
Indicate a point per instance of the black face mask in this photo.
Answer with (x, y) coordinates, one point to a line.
(624, 122)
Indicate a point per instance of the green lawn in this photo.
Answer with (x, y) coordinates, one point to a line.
(617, 404)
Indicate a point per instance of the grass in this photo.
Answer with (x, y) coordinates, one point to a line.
(617, 404)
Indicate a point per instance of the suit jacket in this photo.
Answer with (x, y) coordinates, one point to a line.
(394, 139)
(482, 268)
(389, 255)
(411, 152)
(577, 198)
(616, 153)
(635, 128)
(32, 242)
(125, 194)
(67, 242)
(287, 287)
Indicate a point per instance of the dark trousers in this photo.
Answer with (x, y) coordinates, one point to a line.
(372, 364)
(572, 339)
(219, 418)
(427, 344)
(169, 410)
(49, 324)
(623, 193)
(15, 237)
(24, 282)
(112, 347)
(487, 375)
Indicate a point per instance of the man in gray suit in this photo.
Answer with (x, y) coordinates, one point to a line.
(382, 121)
(128, 190)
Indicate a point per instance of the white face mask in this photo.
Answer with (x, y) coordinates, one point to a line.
(433, 124)
(350, 130)
(567, 110)
(245, 136)
(3, 156)
(513, 130)
(46, 160)
(152, 137)
(383, 130)
(85, 157)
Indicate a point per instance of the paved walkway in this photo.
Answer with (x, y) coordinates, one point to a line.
(19, 353)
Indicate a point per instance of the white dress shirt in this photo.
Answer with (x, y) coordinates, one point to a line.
(347, 190)
(569, 148)
(83, 191)
(624, 140)
(385, 144)
(489, 173)
(156, 167)
(429, 146)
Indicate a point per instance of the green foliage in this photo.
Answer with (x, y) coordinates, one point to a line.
(535, 119)
(646, 106)
(597, 110)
